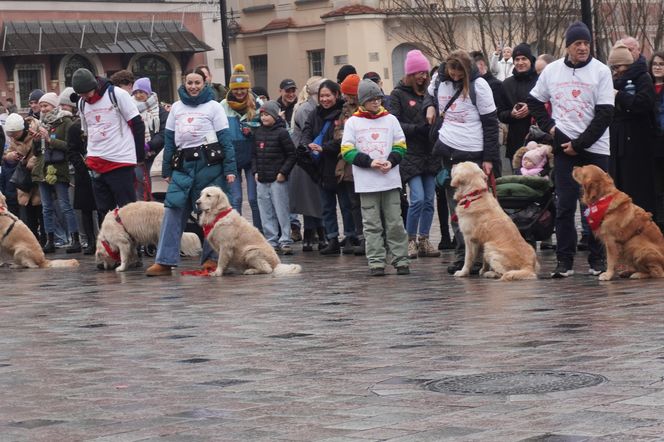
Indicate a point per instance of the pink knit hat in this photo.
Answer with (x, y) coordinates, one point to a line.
(416, 62)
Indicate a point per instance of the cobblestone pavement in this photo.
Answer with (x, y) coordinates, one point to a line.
(330, 354)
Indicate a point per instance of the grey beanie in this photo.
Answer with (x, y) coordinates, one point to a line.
(35, 95)
(271, 108)
(368, 90)
(65, 97)
(83, 81)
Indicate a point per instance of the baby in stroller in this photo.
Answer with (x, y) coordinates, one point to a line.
(535, 161)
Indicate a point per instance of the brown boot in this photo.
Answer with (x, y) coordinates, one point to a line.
(412, 248)
(158, 270)
(210, 265)
(425, 249)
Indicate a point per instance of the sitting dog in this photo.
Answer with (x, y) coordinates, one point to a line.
(486, 226)
(128, 227)
(17, 241)
(628, 232)
(238, 243)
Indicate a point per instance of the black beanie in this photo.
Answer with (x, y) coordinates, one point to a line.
(83, 81)
(344, 72)
(577, 31)
(523, 49)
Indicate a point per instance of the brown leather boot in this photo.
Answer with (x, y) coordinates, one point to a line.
(158, 270)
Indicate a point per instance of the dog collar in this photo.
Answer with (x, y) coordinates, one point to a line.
(207, 228)
(595, 212)
(114, 255)
(468, 198)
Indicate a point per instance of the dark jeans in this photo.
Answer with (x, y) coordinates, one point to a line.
(567, 196)
(355, 207)
(329, 201)
(114, 189)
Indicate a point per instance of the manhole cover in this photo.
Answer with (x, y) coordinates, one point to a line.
(517, 382)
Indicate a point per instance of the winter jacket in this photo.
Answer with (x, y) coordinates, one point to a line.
(242, 143)
(300, 117)
(59, 132)
(24, 146)
(406, 105)
(516, 90)
(273, 153)
(84, 198)
(188, 182)
(323, 169)
(633, 133)
(500, 67)
(288, 110)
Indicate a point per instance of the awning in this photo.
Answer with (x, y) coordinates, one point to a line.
(97, 37)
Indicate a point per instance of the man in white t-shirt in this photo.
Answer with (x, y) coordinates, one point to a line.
(116, 138)
(580, 89)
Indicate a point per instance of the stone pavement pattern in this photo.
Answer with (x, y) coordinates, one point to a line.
(328, 355)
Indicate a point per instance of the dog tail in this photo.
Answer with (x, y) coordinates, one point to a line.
(58, 263)
(515, 275)
(190, 245)
(287, 269)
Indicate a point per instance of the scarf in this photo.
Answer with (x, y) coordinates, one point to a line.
(595, 212)
(238, 106)
(363, 113)
(149, 110)
(206, 94)
(207, 228)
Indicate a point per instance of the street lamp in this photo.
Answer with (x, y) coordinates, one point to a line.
(587, 18)
(224, 41)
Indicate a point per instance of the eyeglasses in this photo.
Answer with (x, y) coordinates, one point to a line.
(656, 64)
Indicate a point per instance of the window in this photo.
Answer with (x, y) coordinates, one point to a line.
(316, 62)
(259, 68)
(340, 59)
(160, 74)
(74, 63)
(29, 78)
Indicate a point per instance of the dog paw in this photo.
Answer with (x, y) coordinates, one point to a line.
(606, 276)
(461, 273)
(639, 275)
(121, 268)
(217, 273)
(250, 272)
(490, 274)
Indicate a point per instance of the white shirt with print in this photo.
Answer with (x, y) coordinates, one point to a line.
(573, 94)
(109, 135)
(374, 138)
(462, 127)
(193, 125)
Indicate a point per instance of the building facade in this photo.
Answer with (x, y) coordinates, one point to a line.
(44, 42)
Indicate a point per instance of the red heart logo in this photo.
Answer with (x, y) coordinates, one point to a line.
(412, 103)
(190, 119)
(375, 136)
(98, 118)
(453, 106)
(576, 93)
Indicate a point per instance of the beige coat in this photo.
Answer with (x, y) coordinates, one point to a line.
(24, 148)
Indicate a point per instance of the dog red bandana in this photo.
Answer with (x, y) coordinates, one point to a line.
(595, 212)
(207, 228)
(467, 199)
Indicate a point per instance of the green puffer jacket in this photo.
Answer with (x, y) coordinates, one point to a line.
(58, 134)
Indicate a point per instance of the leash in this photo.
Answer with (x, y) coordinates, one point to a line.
(11, 227)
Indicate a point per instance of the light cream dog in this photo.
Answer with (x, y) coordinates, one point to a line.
(238, 243)
(18, 242)
(486, 226)
(133, 225)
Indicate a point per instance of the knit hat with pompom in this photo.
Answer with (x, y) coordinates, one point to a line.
(239, 78)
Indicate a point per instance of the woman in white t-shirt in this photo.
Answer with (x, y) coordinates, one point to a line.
(196, 121)
(470, 128)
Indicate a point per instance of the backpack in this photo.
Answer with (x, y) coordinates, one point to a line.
(114, 102)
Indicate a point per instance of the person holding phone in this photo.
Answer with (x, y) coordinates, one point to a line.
(512, 107)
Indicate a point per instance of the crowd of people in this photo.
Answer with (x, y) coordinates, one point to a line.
(339, 145)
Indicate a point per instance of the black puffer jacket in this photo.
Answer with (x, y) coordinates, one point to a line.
(322, 170)
(406, 105)
(273, 152)
(516, 90)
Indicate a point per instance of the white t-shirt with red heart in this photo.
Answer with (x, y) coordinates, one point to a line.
(573, 94)
(194, 124)
(109, 136)
(462, 127)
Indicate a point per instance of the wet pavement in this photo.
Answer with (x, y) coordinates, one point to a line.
(328, 355)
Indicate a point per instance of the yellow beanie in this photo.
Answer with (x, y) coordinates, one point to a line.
(240, 78)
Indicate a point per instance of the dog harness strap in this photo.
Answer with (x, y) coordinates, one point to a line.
(207, 228)
(11, 227)
(114, 255)
(9, 230)
(116, 215)
(595, 212)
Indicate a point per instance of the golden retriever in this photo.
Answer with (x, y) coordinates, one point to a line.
(133, 225)
(485, 226)
(238, 243)
(628, 232)
(19, 242)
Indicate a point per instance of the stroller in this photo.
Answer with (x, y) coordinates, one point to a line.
(529, 200)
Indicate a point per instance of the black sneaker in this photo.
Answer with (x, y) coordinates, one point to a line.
(377, 271)
(403, 270)
(455, 267)
(563, 270)
(597, 267)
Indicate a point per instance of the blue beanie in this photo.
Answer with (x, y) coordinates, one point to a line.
(577, 31)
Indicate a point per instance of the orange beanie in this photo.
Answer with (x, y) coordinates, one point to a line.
(350, 84)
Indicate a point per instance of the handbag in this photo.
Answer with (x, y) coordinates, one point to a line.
(22, 177)
(435, 127)
(52, 156)
(214, 153)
